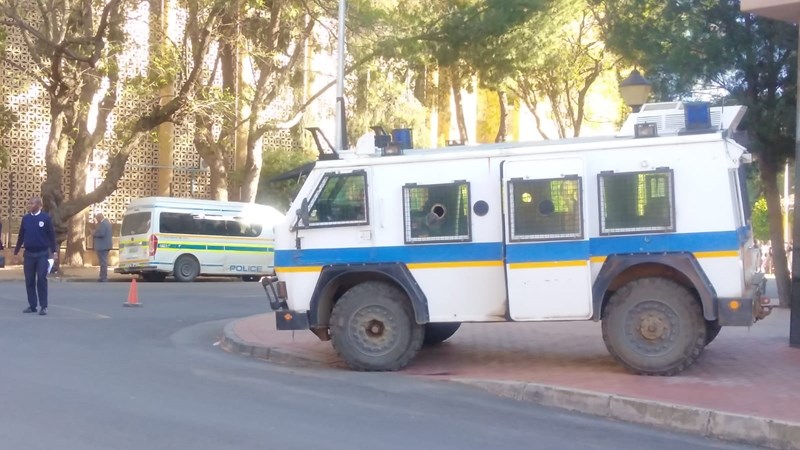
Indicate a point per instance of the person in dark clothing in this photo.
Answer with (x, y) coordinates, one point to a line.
(102, 243)
(36, 232)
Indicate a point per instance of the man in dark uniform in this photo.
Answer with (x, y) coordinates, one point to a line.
(36, 232)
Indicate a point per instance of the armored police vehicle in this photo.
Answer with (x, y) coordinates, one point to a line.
(646, 232)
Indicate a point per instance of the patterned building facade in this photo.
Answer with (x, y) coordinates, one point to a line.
(28, 138)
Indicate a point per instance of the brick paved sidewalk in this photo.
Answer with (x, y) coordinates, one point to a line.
(748, 372)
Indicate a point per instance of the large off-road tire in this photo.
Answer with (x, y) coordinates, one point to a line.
(654, 326)
(373, 327)
(712, 330)
(186, 268)
(154, 277)
(436, 333)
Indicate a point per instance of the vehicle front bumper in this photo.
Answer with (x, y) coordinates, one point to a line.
(285, 319)
(752, 307)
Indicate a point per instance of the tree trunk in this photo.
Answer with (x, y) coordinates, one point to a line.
(252, 172)
(769, 171)
(76, 241)
(55, 160)
(502, 131)
(76, 225)
(218, 176)
(455, 83)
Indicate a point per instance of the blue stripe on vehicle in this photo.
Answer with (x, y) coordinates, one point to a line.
(516, 252)
(658, 243)
(491, 251)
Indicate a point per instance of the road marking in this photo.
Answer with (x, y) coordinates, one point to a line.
(96, 315)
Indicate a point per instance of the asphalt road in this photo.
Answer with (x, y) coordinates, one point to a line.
(95, 375)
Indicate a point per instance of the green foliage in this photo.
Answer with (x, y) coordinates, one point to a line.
(557, 58)
(7, 121)
(384, 97)
(278, 161)
(164, 69)
(686, 44)
(760, 220)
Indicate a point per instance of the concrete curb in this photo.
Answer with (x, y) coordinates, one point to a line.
(232, 343)
(715, 424)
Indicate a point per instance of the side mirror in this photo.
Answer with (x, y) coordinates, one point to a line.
(303, 214)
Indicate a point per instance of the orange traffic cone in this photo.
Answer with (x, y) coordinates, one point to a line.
(133, 295)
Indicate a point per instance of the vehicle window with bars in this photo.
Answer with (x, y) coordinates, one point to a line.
(341, 199)
(547, 209)
(636, 202)
(436, 213)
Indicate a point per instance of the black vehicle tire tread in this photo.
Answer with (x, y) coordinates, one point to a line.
(186, 259)
(666, 291)
(361, 295)
(436, 333)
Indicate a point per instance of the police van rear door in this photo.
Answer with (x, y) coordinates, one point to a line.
(546, 242)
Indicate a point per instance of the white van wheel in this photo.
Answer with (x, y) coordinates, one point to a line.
(186, 268)
(373, 328)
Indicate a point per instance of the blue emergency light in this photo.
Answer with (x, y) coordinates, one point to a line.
(697, 118)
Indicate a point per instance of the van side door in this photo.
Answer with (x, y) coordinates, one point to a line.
(546, 244)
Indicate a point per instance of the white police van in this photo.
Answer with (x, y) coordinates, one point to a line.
(648, 234)
(189, 237)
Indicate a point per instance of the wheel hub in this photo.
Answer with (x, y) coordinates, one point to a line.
(373, 330)
(653, 327)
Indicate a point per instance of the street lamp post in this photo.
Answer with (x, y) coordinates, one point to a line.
(635, 89)
(340, 142)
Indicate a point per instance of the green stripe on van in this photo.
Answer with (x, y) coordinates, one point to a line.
(217, 247)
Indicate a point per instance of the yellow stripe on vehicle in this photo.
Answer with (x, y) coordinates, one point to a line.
(724, 254)
(212, 237)
(298, 269)
(457, 264)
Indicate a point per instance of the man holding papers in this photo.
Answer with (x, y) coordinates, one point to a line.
(37, 234)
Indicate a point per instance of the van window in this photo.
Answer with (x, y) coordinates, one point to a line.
(341, 199)
(436, 213)
(545, 209)
(185, 223)
(178, 223)
(135, 223)
(636, 202)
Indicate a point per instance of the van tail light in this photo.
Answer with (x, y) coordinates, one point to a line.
(153, 244)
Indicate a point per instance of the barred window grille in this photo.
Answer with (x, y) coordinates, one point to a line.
(636, 202)
(547, 209)
(436, 213)
(341, 199)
